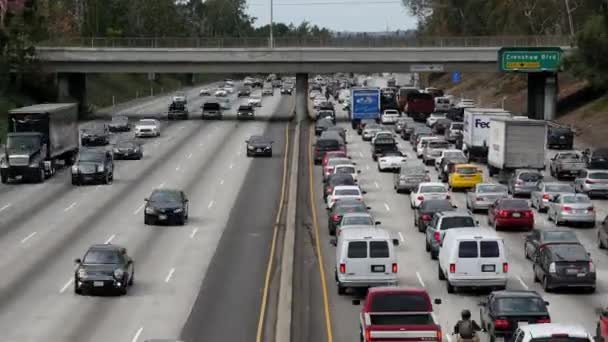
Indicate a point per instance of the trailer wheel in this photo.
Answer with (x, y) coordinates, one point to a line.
(41, 175)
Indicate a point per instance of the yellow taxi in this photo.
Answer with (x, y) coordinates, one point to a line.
(465, 176)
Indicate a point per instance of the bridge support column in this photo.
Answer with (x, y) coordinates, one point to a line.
(72, 87)
(301, 96)
(542, 95)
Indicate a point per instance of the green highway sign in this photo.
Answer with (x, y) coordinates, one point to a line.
(530, 59)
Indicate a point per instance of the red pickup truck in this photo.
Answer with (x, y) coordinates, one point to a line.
(397, 314)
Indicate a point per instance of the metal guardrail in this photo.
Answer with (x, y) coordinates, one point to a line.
(294, 42)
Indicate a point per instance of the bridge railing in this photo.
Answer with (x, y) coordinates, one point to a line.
(295, 42)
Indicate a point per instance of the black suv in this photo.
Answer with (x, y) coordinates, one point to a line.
(564, 265)
(93, 166)
(105, 268)
(245, 112)
(98, 135)
(560, 137)
(258, 145)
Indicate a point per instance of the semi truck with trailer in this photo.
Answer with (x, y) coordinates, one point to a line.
(40, 139)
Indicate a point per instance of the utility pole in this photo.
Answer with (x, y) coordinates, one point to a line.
(569, 12)
(271, 40)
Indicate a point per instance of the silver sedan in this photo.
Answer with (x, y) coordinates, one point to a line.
(484, 194)
(572, 208)
(545, 192)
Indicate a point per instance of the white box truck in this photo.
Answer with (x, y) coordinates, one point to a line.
(516, 143)
(476, 131)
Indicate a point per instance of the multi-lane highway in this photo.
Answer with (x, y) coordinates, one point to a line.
(335, 316)
(191, 281)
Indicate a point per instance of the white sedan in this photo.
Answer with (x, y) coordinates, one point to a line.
(427, 191)
(342, 192)
(391, 161)
(390, 116)
(220, 93)
(255, 101)
(205, 92)
(432, 119)
(147, 128)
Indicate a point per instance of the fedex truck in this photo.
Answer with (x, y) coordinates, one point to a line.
(475, 136)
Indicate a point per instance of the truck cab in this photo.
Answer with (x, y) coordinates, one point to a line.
(398, 314)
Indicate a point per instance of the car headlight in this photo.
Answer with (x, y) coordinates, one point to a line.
(34, 164)
(3, 163)
(100, 168)
(115, 150)
(74, 168)
(249, 147)
(85, 135)
(267, 148)
(119, 273)
(178, 210)
(150, 210)
(82, 273)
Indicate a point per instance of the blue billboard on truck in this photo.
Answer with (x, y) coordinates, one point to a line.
(364, 103)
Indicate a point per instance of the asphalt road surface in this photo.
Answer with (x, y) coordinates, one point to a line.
(415, 265)
(46, 226)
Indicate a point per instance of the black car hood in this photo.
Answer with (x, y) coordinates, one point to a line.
(260, 144)
(164, 205)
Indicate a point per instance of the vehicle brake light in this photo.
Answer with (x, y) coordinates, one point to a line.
(426, 217)
(528, 213)
(505, 267)
(590, 209)
(479, 198)
(447, 197)
(342, 268)
(503, 213)
(395, 268)
(589, 181)
(552, 267)
(420, 198)
(368, 335)
(501, 323)
(439, 335)
(335, 217)
(519, 182)
(544, 320)
(546, 196)
(437, 236)
(329, 190)
(567, 208)
(452, 268)
(591, 266)
(329, 169)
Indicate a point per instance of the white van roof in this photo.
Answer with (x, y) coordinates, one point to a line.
(365, 233)
(472, 234)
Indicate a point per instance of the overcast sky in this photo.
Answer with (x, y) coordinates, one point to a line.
(337, 15)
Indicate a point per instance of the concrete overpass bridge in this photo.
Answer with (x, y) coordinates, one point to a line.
(72, 60)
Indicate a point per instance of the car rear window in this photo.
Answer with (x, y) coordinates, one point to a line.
(346, 169)
(439, 144)
(378, 249)
(457, 222)
(514, 204)
(467, 249)
(489, 249)
(357, 221)
(491, 188)
(509, 305)
(598, 175)
(338, 180)
(576, 199)
(432, 188)
(348, 192)
(469, 170)
(559, 188)
(530, 177)
(436, 205)
(338, 161)
(569, 252)
(328, 143)
(357, 249)
(399, 302)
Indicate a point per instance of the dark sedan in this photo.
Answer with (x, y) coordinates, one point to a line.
(426, 210)
(93, 166)
(166, 206)
(98, 135)
(258, 145)
(104, 267)
(340, 208)
(244, 92)
(245, 112)
(504, 311)
(539, 238)
(322, 125)
(564, 265)
(128, 150)
(119, 123)
(337, 179)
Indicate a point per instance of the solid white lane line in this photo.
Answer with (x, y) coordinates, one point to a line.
(97, 187)
(448, 336)
(110, 238)
(141, 206)
(222, 182)
(178, 167)
(136, 336)
(201, 145)
(189, 156)
(65, 287)
(387, 207)
(361, 154)
(210, 204)
(6, 206)
(377, 185)
(401, 237)
(194, 231)
(231, 166)
(28, 237)
(70, 207)
(367, 167)
(420, 279)
(168, 278)
(181, 127)
(161, 185)
(521, 281)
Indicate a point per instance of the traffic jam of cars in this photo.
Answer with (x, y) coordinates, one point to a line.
(508, 231)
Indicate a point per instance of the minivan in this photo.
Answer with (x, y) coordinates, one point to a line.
(473, 257)
(365, 257)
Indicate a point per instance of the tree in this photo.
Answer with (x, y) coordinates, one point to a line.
(588, 61)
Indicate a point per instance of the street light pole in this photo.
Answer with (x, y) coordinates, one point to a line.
(569, 12)
(271, 41)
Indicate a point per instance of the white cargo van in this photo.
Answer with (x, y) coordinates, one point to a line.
(473, 257)
(475, 135)
(365, 257)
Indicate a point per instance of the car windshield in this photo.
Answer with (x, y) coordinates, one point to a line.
(509, 305)
(99, 256)
(345, 169)
(258, 139)
(147, 122)
(24, 142)
(514, 204)
(165, 196)
(467, 170)
(559, 188)
(436, 205)
(559, 236)
(457, 221)
(598, 175)
(126, 144)
(348, 192)
(90, 156)
(357, 221)
(432, 188)
(119, 119)
(530, 177)
(255, 97)
(575, 199)
(491, 188)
